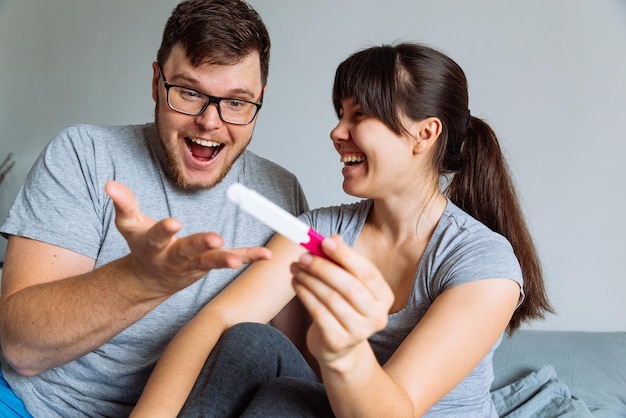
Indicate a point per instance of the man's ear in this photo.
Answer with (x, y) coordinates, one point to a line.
(155, 80)
(426, 132)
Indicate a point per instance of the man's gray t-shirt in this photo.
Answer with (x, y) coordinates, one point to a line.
(461, 250)
(62, 202)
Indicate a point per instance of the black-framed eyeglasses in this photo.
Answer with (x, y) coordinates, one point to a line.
(192, 102)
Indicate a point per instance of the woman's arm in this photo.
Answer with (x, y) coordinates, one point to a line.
(257, 295)
(347, 304)
(457, 332)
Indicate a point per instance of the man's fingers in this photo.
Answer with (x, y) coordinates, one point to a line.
(249, 255)
(230, 258)
(196, 244)
(159, 236)
(160, 253)
(130, 220)
(126, 205)
(128, 216)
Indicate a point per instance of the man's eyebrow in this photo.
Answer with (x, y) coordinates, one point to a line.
(192, 83)
(244, 93)
(181, 78)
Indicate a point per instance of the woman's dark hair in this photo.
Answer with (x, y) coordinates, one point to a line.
(216, 32)
(419, 82)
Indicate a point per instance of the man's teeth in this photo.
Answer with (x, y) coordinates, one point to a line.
(205, 142)
(352, 158)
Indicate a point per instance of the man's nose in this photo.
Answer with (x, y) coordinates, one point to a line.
(210, 118)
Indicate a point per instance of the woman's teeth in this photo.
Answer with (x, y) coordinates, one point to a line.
(350, 159)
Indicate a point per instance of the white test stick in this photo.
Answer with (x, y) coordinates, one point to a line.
(276, 218)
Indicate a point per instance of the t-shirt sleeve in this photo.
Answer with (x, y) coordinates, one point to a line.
(60, 202)
(477, 256)
(345, 220)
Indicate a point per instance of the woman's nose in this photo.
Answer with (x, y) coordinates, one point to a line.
(340, 132)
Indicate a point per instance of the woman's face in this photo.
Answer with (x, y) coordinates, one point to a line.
(377, 161)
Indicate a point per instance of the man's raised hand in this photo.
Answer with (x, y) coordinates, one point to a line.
(163, 262)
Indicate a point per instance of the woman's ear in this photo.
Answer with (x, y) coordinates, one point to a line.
(426, 132)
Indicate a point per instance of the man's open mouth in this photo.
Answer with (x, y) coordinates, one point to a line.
(203, 148)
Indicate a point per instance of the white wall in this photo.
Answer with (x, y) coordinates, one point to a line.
(548, 76)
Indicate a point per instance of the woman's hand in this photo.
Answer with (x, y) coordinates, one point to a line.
(348, 300)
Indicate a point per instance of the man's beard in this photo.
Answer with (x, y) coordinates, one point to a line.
(175, 166)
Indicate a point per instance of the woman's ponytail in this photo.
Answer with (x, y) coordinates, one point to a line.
(483, 187)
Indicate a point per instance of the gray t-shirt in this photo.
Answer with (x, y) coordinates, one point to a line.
(461, 250)
(63, 202)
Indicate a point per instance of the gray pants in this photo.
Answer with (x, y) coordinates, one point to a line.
(255, 371)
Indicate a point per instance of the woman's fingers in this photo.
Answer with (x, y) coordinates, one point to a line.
(359, 266)
(337, 311)
(327, 338)
(350, 289)
(353, 276)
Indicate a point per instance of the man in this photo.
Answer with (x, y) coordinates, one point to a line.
(93, 286)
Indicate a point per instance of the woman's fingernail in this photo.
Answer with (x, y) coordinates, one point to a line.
(329, 244)
(306, 259)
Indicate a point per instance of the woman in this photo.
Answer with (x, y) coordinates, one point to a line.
(422, 282)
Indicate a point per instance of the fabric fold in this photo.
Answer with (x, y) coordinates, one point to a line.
(539, 394)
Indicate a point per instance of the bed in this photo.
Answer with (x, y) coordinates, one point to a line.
(571, 374)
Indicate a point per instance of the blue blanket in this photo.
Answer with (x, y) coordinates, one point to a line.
(540, 394)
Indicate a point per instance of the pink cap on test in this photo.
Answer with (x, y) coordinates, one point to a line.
(315, 243)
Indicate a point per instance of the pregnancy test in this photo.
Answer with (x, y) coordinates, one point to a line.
(276, 218)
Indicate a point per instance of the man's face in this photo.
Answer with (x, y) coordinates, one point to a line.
(202, 149)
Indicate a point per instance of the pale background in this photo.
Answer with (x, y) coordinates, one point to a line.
(548, 76)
